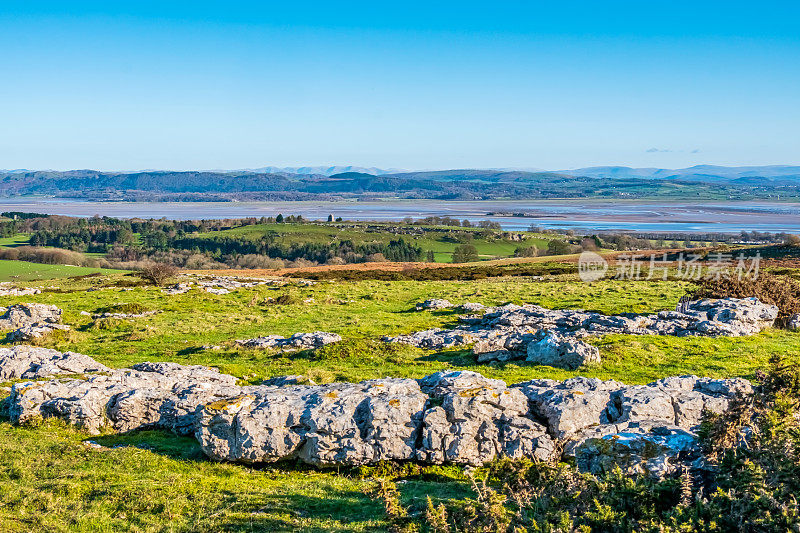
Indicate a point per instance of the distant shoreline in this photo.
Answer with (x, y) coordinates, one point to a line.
(581, 215)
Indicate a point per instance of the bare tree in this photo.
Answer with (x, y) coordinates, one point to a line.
(158, 273)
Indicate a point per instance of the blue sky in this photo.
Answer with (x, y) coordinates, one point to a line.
(203, 85)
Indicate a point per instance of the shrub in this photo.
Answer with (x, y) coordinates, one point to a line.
(130, 308)
(102, 324)
(158, 273)
(49, 256)
(256, 261)
(286, 298)
(375, 258)
(526, 251)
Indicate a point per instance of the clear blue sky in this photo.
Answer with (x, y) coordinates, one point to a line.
(556, 85)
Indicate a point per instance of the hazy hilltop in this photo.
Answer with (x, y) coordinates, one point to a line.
(331, 182)
(323, 170)
(700, 173)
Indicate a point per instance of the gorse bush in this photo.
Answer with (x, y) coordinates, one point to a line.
(771, 289)
(751, 483)
(755, 445)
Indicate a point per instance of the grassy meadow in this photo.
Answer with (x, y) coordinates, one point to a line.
(53, 479)
(439, 239)
(25, 271)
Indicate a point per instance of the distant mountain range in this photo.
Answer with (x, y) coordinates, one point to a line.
(323, 170)
(701, 173)
(335, 182)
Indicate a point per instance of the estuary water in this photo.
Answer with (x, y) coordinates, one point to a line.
(581, 215)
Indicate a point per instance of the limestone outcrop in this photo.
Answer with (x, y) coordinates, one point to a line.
(7, 289)
(465, 418)
(553, 337)
(30, 321)
(148, 395)
(228, 284)
(456, 417)
(32, 362)
(125, 315)
(555, 349)
(341, 423)
(298, 341)
(433, 304)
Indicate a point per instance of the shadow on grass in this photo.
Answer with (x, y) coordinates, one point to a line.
(345, 510)
(455, 357)
(160, 442)
(188, 449)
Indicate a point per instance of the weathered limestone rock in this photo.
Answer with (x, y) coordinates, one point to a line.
(465, 418)
(648, 447)
(217, 290)
(572, 405)
(456, 417)
(178, 288)
(553, 349)
(31, 321)
(7, 289)
(162, 395)
(34, 331)
(679, 400)
(733, 317)
(283, 381)
(436, 339)
(20, 315)
(125, 315)
(434, 303)
(472, 307)
(793, 323)
(227, 284)
(478, 420)
(298, 341)
(340, 423)
(31, 362)
(552, 337)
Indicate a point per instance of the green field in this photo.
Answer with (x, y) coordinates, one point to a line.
(364, 311)
(24, 271)
(20, 239)
(153, 481)
(441, 240)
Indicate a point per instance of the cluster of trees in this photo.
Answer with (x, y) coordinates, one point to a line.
(454, 222)
(642, 240)
(84, 239)
(99, 234)
(193, 241)
(223, 248)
